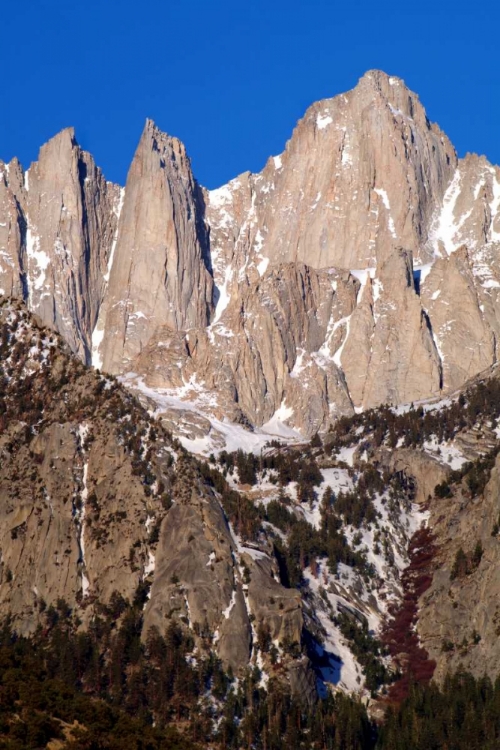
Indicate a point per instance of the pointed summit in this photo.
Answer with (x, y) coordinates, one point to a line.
(59, 146)
(69, 228)
(361, 175)
(160, 263)
(304, 256)
(377, 86)
(381, 78)
(155, 144)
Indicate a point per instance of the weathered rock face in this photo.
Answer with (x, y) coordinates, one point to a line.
(469, 212)
(56, 237)
(454, 609)
(195, 577)
(70, 225)
(97, 499)
(46, 528)
(362, 174)
(399, 361)
(72, 504)
(276, 608)
(425, 471)
(12, 230)
(160, 270)
(255, 360)
(455, 304)
(360, 267)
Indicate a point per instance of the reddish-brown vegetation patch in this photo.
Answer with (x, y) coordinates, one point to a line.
(400, 635)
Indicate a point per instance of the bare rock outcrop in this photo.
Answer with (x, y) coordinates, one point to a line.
(195, 578)
(271, 350)
(361, 175)
(458, 607)
(70, 224)
(454, 304)
(390, 356)
(160, 273)
(423, 469)
(12, 230)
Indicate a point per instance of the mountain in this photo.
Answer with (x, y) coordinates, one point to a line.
(354, 270)
(322, 336)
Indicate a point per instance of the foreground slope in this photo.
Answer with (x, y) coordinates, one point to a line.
(360, 563)
(96, 500)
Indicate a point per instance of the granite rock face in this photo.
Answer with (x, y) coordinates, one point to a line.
(360, 267)
(160, 272)
(362, 174)
(12, 230)
(255, 360)
(390, 355)
(60, 222)
(454, 609)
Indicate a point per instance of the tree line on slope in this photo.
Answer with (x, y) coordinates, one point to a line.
(105, 689)
(305, 543)
(413, 427)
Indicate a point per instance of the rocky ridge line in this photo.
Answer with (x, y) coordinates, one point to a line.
(359, 267)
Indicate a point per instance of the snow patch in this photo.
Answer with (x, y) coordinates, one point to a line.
(82, 432)
(346, 454)
(421, 272)
(97, 339)
(98, 332)
(322, 121)
(495, 208)
(385, 200)
(150, 565)
(262, 266)
(117, 211)
(223, 434)
(276, 425)
(224, 296)
(448, 453)
(446, 227)
(220, 197)
(338, 354)
(40, 258)
(227, 612)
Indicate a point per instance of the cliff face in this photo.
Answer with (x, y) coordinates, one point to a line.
(359, 267)
(362, 174)
(159, 274)
(60, 220)
(460, 614)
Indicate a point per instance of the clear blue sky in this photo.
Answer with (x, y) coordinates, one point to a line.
(231, 78)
